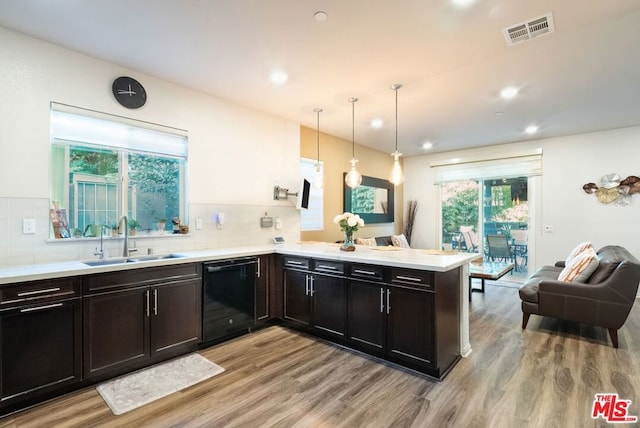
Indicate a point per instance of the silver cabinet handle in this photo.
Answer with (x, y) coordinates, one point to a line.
(147, 293)
(39, 308)
(311, 290)
(258, 271)
(382, 300)
(306, 285)
(388, 301)
(327, 267)
(155, 302)
(293, 262)
(31, 293)
(364, 272)
(409, 278)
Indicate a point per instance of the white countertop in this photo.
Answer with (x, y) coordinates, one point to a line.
(405, 258)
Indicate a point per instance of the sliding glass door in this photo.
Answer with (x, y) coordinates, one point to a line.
(474, 209)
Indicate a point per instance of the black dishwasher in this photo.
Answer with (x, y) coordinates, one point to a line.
(229, 292)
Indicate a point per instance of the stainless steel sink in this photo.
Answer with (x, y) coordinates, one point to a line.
(154, 257)
(122, 260)
(105, 262)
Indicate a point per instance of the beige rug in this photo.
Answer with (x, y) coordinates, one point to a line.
(142, 387)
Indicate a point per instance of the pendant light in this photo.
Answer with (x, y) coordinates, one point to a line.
(353, 178)
(318, 180)
(396, 177)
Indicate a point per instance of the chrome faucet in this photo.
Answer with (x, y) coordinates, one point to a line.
(125, 248)
(100, 253)
(126, 252)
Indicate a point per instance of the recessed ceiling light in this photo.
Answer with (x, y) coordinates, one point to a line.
(499, 113)
(509, 92)
(462, 3)
(531, 129)
(279, 77)
(320, 16)
(427, 145)
(377, 123)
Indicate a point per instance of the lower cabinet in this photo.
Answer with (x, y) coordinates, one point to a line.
(391, 320)
(40, 340)
(316, 300)
(133, 325)
(263, 282)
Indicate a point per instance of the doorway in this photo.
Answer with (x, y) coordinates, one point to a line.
(497, 206)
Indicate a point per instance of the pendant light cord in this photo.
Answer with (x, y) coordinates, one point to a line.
(318, 111)
(353, 128)
(396, 87)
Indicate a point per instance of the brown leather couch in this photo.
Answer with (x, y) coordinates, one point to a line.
(605, 300)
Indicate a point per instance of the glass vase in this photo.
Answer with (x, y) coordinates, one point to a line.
(348, 243)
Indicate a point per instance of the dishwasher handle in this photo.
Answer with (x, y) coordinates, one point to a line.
(220, 268)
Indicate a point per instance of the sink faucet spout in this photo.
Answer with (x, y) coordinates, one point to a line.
(124, 222)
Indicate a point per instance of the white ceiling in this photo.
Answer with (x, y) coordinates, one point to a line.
(452, 61)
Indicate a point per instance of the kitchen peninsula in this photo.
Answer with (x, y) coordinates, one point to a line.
(406, 306)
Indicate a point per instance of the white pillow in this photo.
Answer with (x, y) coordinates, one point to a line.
(579, 249)
(400, 241)
(369, 242)
(580, 268)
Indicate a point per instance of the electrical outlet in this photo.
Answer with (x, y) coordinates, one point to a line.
(29, 226)
(198, 223)
(548, 229)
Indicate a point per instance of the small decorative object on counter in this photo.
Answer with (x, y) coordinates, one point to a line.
(349, 223)
(161, 224)
(134, 226)
(176, 224)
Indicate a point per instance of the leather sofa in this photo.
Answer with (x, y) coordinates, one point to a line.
(604, 300)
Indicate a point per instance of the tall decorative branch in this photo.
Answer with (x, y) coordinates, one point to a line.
(412, 208)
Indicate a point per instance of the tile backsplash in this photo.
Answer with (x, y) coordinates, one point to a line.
(241, 228)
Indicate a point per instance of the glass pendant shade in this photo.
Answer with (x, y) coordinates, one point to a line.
(318, 180)
(353, 178)
(396, 177)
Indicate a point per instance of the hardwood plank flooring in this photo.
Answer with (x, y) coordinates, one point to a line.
(544, 376)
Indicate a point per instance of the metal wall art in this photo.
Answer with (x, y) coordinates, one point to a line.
(613, 189)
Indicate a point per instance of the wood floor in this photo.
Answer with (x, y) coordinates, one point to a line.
(545, 376)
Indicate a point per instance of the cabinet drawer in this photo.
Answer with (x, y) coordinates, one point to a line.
(38, 291)
(421, 278)
(109, 281)
(374, 273)
(328, 266)
(295, 262)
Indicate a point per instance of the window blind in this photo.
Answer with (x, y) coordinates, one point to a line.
(515, 164)
(80, 127)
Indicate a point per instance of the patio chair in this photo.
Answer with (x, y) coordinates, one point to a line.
(471, 239)
(520, 247)
(499, 248)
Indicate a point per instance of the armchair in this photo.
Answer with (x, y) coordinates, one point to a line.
(605, 300)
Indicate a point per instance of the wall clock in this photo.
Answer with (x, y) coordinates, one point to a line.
(129, 92)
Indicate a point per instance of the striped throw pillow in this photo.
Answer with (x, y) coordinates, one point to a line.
(580, 268)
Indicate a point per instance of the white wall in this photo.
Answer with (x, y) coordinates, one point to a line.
(568, 163)
(236, 155)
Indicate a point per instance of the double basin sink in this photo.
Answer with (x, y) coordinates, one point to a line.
(122, 260)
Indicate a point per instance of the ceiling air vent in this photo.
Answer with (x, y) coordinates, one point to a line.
(529, 29)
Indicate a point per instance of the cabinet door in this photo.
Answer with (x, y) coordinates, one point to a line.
(329, 303)
(40, 348)
(116, 331)
(410, 325)
(367, 314)
(176, 316)
(262, 288)
(296, 297)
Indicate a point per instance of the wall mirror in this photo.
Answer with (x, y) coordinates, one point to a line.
(372, 200)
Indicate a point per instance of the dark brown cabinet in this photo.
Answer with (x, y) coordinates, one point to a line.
(133, 318)
(407, 316)
(40, 339)
(263, 282)
(313, 298)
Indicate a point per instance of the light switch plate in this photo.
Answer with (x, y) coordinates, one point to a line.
(29, 226)
(198, 223)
